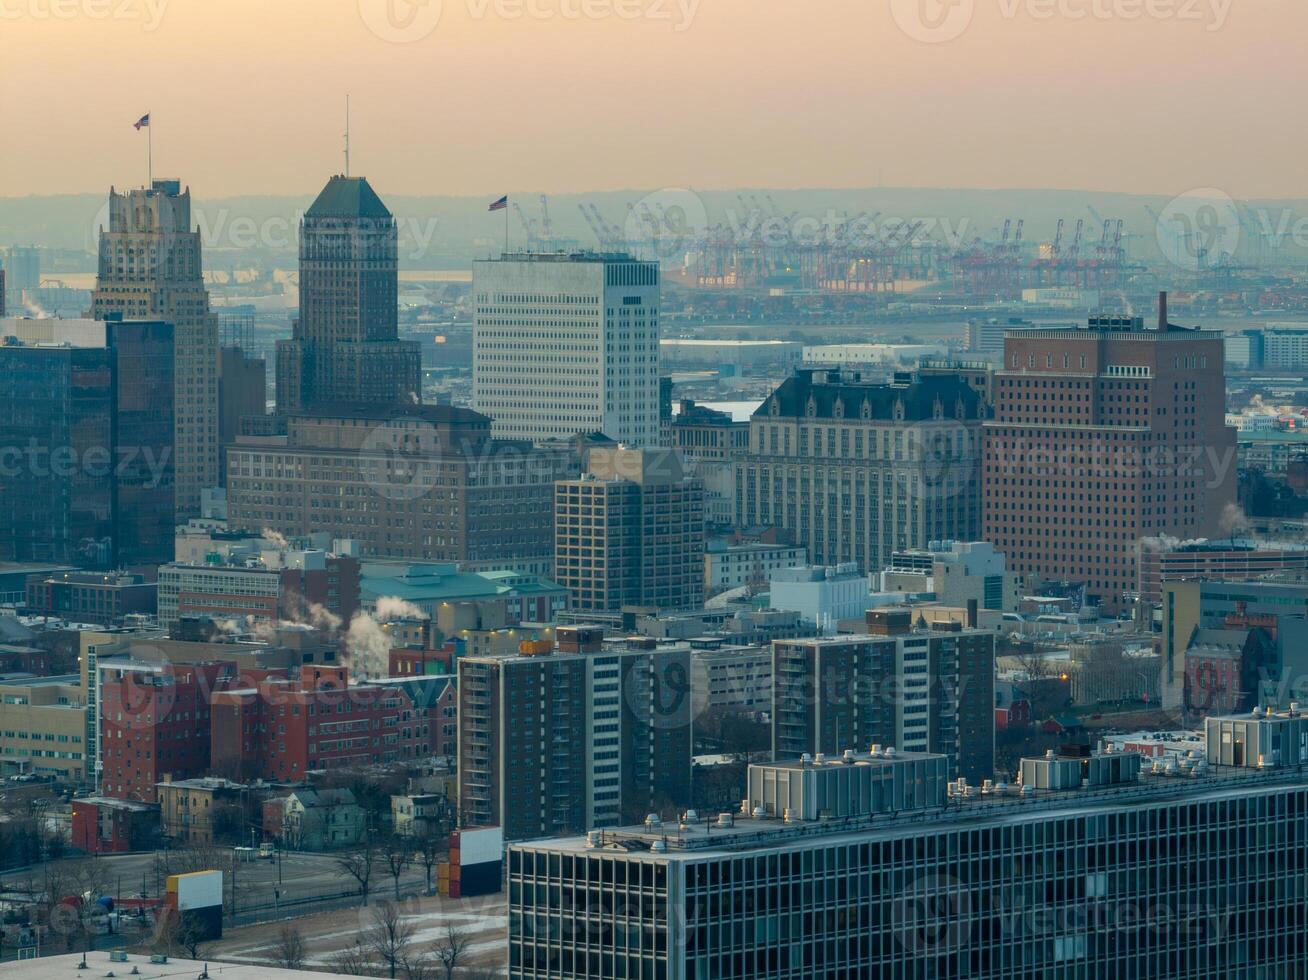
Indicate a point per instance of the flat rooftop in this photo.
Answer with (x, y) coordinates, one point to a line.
(98, 964)
(705, 839)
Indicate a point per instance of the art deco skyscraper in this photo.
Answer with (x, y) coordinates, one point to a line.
(150, 268)
(345, 346)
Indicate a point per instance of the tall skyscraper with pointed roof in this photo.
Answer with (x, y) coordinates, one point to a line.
(345, 346)
(150, 267)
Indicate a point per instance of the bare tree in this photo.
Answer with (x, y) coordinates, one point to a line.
(388, 937)
(397, 856)
(451, 949)
(431, 845)
(290, 953)
(352, 961)
(176, 936)
(359, 863)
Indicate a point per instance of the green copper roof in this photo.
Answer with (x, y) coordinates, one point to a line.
(348, 197)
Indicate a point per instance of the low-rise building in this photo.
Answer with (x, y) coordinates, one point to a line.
(821, 595)
(278, 585)
(203, 810)
(101, 598)
(101, 825)
(318, 820)
(731, 566)
(43, 727)
(431, 585)
(421, 814)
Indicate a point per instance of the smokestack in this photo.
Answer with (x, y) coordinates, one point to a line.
(1162, 310)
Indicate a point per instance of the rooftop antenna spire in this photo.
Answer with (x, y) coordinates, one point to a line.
(347, 135)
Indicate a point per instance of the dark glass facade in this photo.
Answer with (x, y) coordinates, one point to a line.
(86, 449)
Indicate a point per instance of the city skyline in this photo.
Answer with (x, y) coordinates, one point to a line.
(902, 120)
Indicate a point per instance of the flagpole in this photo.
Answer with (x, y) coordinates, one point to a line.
(149, 143)
(506, 228)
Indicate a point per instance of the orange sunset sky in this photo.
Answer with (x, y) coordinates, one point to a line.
(1150, 96)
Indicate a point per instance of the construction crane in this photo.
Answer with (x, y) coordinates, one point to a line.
(546, 229)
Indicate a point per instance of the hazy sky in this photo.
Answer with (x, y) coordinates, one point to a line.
(1154, 96)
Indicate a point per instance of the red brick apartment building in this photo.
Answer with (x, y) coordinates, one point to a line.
(154, 721)
(280, 729)
(1103, 436)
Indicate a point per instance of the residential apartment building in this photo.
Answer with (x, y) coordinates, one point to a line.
(150, 267)
(852, 470)
(630, 532)
(567, 344)
(425, 482)
(88, 408)
(345, 344)
(280, 728)
(1103, 436)
(913, 690)
(202, 810)
(584, 735)
(153, 723)
(316, 820)
(872, 865)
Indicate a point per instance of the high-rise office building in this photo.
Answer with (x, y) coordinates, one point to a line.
(242, 391)
(426, 482)
(853, 469)
(568, 344)
(630, 532)
(1104, 436)
(877, 865)
(86, 409)
(150, 267)
(590, 734)
(914, 690)
(345, 345)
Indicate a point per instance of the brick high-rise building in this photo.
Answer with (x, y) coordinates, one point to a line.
(1104, 436)
(630, 532)
(345, 346)
(150, 268)
(425, 482)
